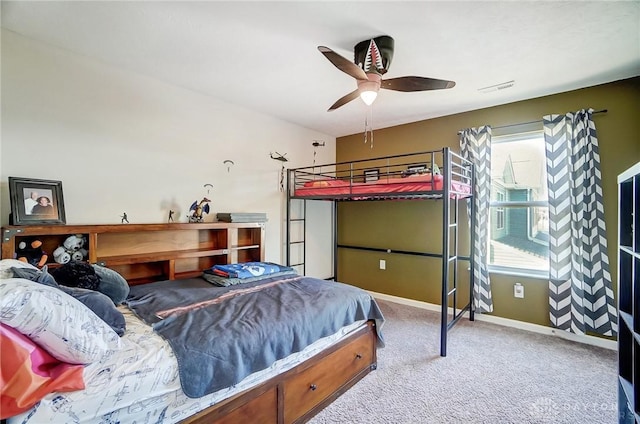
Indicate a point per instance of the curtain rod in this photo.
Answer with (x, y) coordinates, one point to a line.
(534, 122)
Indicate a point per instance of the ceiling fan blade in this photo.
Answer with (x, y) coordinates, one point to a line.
(345, 65)
(344, 100)
(415, 84)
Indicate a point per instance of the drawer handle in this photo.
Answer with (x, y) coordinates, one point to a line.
(358, 356)
(313, 387)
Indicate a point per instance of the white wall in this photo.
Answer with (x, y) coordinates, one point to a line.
(123, 142)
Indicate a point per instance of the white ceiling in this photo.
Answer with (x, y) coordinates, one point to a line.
(263, 55)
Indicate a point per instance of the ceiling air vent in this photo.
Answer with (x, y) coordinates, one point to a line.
(497, 87)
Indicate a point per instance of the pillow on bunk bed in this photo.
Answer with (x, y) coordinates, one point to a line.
(99, 303)
(29, 373)
(415, 174)
(326, 183)
(7, 264)
(62, 325)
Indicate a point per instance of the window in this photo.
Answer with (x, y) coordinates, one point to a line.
(499, 212)
(519, 223)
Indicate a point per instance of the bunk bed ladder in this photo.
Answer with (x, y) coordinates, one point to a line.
(449, 256)
(300, 219)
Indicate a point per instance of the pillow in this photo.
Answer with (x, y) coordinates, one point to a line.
(101, 305)
(7, 264)
(39, 276)
(62, 325)
(29, 373)
(326, 183)
(112, 284)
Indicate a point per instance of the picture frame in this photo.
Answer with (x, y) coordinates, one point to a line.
(371, 175)
(44, 197)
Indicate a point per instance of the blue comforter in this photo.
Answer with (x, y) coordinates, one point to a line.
(220, 335)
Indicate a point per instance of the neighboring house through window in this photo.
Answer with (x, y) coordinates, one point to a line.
(519, 236)
(500, 211)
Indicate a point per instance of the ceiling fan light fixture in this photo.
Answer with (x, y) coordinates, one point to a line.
(369, 89)
(368, 97)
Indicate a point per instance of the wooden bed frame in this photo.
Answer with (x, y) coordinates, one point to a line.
(300, 393)
(144, 253)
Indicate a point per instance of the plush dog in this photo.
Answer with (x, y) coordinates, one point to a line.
(61, 256)
(72, 249)
(74, 242)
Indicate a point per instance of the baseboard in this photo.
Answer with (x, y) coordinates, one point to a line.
(535, 328)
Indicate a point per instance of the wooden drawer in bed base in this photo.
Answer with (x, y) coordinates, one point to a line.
(300, 393)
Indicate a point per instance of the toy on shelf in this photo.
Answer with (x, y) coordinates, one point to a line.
(32, 253)
(198, 209)
(71, 249)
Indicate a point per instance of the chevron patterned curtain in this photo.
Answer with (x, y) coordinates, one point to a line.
(475, 145)
(580, 290)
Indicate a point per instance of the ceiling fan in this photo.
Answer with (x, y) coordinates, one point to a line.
(371, 60)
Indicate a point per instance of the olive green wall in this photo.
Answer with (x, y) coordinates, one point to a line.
(417, 225)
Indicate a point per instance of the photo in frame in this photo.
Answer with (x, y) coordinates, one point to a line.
(371, 175)
(36, 202)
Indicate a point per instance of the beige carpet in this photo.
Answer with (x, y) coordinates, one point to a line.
(492, 374)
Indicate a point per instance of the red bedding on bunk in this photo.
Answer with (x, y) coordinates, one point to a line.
(413, 184)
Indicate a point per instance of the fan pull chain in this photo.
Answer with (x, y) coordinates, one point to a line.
(368, 127)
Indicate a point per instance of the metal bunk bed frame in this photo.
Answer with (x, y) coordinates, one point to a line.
(453, 165)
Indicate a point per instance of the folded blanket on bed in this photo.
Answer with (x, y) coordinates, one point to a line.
(221, 281)
(248, 269)
(220, 335)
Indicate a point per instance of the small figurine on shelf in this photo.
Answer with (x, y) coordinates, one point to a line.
(32, 253)
(124, 218)
(198, 209)
(170, 216)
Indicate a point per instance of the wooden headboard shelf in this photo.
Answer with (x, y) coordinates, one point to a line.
(150, 252)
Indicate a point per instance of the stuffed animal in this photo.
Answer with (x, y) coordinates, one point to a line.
(77, 274)
(72, 249)
(79, 255)
(74, 242)
(61, 256)
(32, 253)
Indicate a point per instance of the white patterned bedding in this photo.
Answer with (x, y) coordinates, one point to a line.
(140, 384)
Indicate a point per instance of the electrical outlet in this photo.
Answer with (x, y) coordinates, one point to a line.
(518, 290)
(383, 264)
